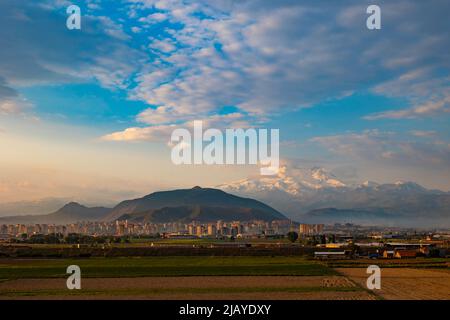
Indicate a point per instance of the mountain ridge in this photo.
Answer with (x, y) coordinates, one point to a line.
(69, 213)
(197, 196)
(302, 190)
(162, 206)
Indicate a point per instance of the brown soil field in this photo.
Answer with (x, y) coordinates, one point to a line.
(360, 295)
(406, 283)
(175, 282)
(210, 287)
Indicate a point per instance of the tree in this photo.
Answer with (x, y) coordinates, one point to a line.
(434, 253)
(353, 247)
(333, 238)
(292, 236)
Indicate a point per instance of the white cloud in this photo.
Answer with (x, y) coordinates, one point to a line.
(156, 116)
(136, 29)
(154, 18)
(433, 107)
(18, 108)
(155, 133)
(111, 27)
(14, 107)
(165, 46)
(35, 57)
(374, 146)
(423, 133)
(162, 132)
(267, 57)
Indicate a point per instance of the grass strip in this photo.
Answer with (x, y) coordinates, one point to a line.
(159, 291)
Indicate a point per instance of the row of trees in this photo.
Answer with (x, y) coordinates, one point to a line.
(71, 238)
(312, 240)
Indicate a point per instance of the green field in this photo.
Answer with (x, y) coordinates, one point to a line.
(217, 277)
(163, 266)
(429, 263)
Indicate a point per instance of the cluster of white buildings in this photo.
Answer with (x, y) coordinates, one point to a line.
(311, 229)
(124, 228)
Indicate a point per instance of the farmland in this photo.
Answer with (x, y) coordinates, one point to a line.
(210, 287)
(407, 283)
(163, 266)
(223, 277)
(177, 278)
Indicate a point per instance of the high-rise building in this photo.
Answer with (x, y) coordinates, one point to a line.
(200, 230)
(310, 229)
(212, 230)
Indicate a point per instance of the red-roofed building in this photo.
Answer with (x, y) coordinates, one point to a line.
(402, 254)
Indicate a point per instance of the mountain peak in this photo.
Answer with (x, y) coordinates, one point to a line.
(320, 174)
(73, 205)
(410, 186)
(206, 204)
(369, 183)
(73, 211)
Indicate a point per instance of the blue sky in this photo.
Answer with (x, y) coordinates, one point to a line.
(342, 95)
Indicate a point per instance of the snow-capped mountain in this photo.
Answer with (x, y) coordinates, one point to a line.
(370, 184)
(300, 192)
(299, 181)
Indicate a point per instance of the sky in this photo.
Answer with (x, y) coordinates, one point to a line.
(88, 114)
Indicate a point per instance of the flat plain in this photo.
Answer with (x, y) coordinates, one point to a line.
(406, 283)
(222, 278)
(177, 278)
(195, 287)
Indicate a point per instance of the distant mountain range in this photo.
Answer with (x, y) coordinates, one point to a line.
(316, 195)
(71, 212)
(186, 205)
(309, 195)
(32, 207)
